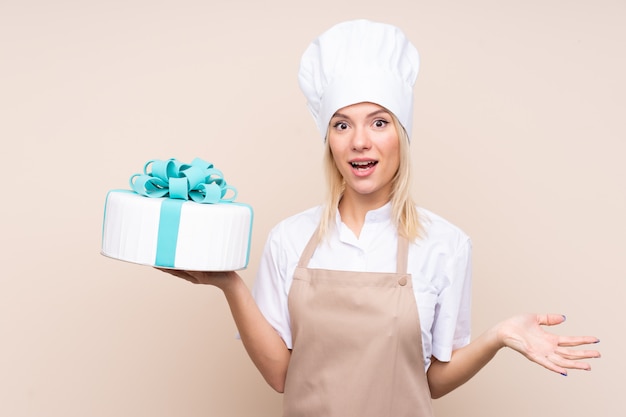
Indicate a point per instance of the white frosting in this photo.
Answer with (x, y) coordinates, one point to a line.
(211, 237)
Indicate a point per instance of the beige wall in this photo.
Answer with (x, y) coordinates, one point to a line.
(519, 139)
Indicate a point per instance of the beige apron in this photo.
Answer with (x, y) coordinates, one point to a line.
(357, 344)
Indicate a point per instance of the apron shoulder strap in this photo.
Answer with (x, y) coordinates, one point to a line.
(309, 249)
(403, 255)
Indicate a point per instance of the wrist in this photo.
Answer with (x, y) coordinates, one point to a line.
(497, 336)
(230, 282)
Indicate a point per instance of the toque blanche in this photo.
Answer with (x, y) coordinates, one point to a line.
(359, 61)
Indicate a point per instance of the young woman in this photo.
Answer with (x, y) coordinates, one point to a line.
(361, 306)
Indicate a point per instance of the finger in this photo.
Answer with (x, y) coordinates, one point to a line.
(202, 276)
(577, 340)
(197, 274)
(179, 274)
(570, 359)
(550, 364)
(562, 364)
(569, 364)
(572, 354)
(176, 273)
(550, 319)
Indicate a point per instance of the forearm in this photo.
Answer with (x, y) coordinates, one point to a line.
(444, 377)
(263, 344)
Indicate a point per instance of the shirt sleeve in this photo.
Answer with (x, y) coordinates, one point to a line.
(270, 289)
(452, 324)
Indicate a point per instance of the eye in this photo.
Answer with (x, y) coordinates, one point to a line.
(380, 123)
(340, 125)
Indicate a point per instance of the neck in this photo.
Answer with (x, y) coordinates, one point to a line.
(354, 207)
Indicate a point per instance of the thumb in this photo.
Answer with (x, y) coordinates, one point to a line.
(551, 319)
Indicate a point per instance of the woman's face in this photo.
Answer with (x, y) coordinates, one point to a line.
(365, 148)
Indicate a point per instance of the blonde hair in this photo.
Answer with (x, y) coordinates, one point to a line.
(403, 211)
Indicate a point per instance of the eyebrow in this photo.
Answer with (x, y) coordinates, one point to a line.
(374, 113)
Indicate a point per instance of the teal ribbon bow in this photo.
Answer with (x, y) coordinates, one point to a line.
(199, 181)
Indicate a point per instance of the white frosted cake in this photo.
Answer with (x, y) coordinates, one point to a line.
(174, 232)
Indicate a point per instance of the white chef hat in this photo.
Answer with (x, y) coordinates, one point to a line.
(359, 61)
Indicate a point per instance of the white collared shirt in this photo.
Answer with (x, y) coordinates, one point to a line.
(439, 263)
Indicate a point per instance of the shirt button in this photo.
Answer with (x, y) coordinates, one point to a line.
(402, 281)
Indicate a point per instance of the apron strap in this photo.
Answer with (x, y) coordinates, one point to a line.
(401, 262)
(309, 249)
(403, 255)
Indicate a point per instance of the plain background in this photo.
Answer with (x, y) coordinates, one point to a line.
(519, 139)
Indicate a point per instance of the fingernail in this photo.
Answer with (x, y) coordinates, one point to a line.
(564, 318)
(597, 341)
(564, 373)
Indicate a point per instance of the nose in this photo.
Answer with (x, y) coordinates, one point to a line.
(361, 140)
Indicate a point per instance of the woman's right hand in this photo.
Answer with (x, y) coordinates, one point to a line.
(217, 278)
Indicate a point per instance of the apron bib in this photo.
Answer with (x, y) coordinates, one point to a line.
(357, 344)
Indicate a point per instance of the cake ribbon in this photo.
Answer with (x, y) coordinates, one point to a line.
(199, 181)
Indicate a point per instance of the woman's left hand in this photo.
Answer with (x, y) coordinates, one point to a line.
(525, 334)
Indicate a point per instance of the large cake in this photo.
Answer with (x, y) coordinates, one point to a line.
(180, 216)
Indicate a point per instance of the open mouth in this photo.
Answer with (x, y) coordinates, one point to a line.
(364, 165)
